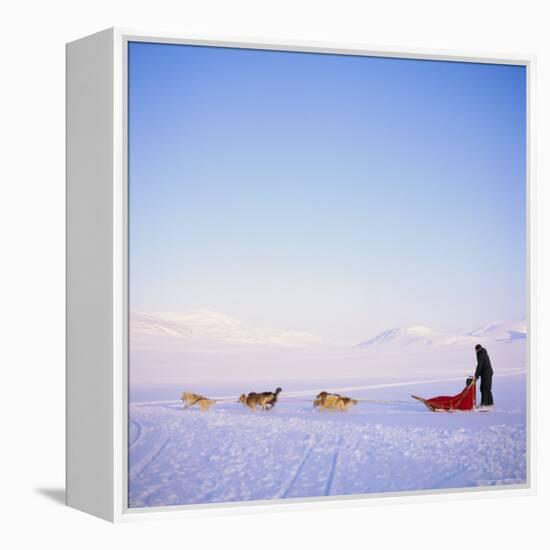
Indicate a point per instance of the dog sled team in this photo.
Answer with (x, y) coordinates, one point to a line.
(267, 400)
(464, 401)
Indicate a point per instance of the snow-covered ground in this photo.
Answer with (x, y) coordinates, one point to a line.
(179, 456)
(231, 454)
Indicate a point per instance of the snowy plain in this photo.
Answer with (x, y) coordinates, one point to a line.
(230, 454)
(387, 443)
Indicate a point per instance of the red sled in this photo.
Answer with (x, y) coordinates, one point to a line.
(464, 401)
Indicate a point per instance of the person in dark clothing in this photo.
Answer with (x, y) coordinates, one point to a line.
(484, 370)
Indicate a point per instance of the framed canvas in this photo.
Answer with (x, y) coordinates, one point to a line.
(296, 274)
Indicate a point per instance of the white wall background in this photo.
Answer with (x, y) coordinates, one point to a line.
(32, 267)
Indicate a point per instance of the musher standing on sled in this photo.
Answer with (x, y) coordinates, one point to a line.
(484, 370)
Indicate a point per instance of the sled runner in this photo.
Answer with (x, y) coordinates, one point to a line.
(464, 401)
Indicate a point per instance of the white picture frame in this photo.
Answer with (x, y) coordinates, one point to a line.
(97, 273)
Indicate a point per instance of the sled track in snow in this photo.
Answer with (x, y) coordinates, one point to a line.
(137, 435)
(312, 442)
(333, 464)
(442, 483)
(150, 463)
(148, 460)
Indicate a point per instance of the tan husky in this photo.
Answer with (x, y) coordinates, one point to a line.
(189, 399)
(333, 402)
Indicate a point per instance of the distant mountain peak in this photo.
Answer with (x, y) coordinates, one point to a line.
(403, 336)
(421, 335)
(501, 332)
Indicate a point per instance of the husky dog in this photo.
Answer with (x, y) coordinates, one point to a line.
(250, 400)
(333, 401)
(189, 399)
(265, 400)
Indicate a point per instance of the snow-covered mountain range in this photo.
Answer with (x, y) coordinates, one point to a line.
(420, 335)
(203, 325)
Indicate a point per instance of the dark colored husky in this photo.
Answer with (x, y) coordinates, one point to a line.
(265, 400)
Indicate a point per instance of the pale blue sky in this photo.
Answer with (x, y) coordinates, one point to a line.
(334, 194)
